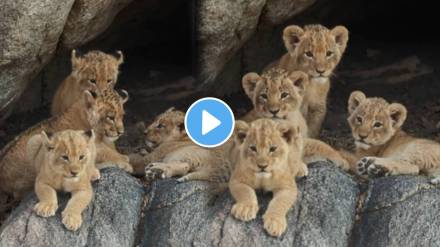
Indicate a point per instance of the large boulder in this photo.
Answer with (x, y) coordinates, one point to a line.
(190, 214)
(88, 19)
(29, 34)
(278, 11)
(400, 211)
(110, 220)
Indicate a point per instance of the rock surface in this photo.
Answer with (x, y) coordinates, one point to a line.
(88, 19)
(278, 11)
(400, 211)
(189, 215)
(29, 34)
(110, 220)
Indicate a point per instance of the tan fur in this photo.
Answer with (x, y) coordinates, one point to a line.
(174, 154)
(269, 159)
(95, 71)
(64, 162)
(316, 51)
(273, 83)
(276, 94)
(382, 147)
(17, 175)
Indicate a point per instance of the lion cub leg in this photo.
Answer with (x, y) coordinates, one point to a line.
(47, 197)
(71, 216)
(379, 167)
(315, 117)
(107, 157)
(166, 169)
(274, 218)
(315, 150)
(246, 205)
(434, 173)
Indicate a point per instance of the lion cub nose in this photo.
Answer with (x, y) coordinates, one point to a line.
(262, 166)
(320, 71)
(362, 136)
(274, 112)
(74, 173)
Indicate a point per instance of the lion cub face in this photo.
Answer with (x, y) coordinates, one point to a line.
(316, 49)
(276, 92)
(69, 152)
(265, 145)
(373, 121)
(168, 126)
(96, 70)
(106, 113)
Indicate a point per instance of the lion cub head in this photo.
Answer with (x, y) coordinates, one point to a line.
(96, 70)
(373, 121)
(315, 49)
(69, 153)
(276, 92)
(105, 113)
(168, 126)
(265, 145)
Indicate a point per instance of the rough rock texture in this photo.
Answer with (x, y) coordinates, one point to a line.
(223, 28)
(278, 11)
(88, 19)
(400, 211)
(189, 215)
(29, 34)
(110, 220)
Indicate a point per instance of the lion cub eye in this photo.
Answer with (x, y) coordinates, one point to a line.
(284, 95)
(253, 148)
(65, 157)
(160, 126)
(81, 157)
(263, 96)
(111, 118)
(359, 120)
(309, 54)
(109, 81)
(329, 53)
(272, 149)
(377, 125)
(92, 81)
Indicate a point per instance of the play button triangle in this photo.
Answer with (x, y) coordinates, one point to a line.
(209, 122)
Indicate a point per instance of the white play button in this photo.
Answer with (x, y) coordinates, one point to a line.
(209, 122)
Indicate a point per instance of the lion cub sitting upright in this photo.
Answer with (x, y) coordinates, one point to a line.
(95, 71)
(316, 51)
(382, 147)
(270, 157)
(64, 162)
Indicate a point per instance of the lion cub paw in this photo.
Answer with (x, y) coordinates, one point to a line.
(363, 164)
(274, 225)
(45, 209)
(244, 211)
(376, 170)
(71, 220)
(95, 175)
(155, 171)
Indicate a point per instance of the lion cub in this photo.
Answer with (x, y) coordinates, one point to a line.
(64, 162)
(270, 157)
(316, 51)
(95, 71)
(174, 154)
(382, 147)
(283, 91)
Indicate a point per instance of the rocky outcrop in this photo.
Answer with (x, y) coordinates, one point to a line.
(400, 211)
(110, 220)
(88, 19)
(278, 11)
(189, 214)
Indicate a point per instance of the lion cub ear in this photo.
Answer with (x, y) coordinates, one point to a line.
(356, 98)
(289, 132)
(292, 36)
(124, 96)
(119, 57)
(76, 61)
(241, 129)
(300, 80)
(249, 83)
(341, 37)
(90, 135)
(398, 114)
(47, 139)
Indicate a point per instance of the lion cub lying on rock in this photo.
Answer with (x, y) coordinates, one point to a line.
(269, 158)
(174, 154)
(382, 147)
(64, 162)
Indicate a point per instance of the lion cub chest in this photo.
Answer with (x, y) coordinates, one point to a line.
(264, 181)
